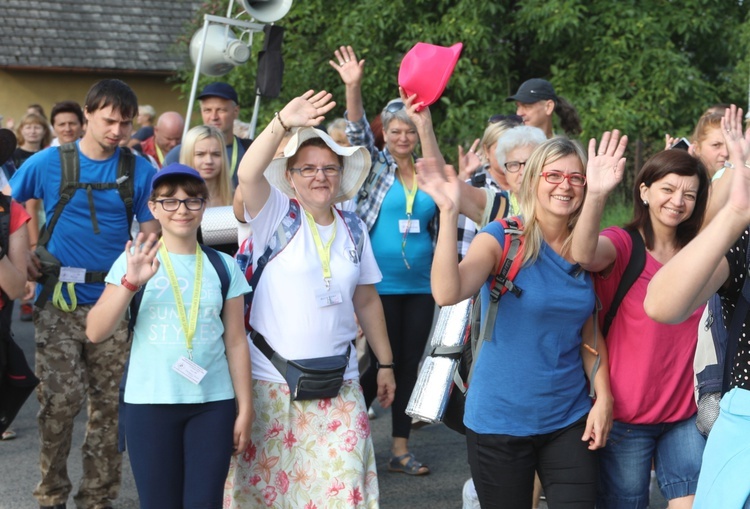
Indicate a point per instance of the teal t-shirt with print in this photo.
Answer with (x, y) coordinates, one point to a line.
(159, 340)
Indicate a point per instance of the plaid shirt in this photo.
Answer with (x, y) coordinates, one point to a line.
(381, 178)
(467, 229)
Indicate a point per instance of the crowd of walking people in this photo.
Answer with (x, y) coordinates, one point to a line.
(234, 390)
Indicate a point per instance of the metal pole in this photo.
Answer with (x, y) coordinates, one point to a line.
(196, 75)
(254, 121)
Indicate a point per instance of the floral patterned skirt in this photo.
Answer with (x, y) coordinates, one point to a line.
(305, 454)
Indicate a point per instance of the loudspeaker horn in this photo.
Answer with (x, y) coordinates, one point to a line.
(222, 52)
(267, 11)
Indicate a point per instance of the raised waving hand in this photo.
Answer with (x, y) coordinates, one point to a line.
(606, 165)
(346, 64)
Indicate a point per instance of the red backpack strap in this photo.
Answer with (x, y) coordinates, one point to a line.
(511, 260)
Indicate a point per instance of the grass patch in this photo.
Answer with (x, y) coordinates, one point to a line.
(617, 212)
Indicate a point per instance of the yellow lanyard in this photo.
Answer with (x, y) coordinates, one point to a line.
(187, 327)
(410, 194)
(324, 252)
(159, 155)
(235, 153)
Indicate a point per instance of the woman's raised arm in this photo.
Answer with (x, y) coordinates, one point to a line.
(307, 110)
(604, 171)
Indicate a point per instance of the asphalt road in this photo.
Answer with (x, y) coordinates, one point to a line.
(442, 449)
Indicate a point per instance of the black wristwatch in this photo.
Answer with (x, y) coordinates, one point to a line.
(384, 366)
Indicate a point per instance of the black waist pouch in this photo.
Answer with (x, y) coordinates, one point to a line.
(316, 378)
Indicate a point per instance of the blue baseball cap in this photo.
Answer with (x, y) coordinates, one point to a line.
(174, 169)
(223, 90)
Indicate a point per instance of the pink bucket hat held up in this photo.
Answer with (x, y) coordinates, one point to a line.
(426, 69)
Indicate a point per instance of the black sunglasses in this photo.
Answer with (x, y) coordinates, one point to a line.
(511, 119)
(394, 106)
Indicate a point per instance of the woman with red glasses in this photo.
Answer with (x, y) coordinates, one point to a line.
(651, 364)
(528, 407)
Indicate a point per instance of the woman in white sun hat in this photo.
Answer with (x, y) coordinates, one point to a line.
(309, 452)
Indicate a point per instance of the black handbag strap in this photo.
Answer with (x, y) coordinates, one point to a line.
(632, 271)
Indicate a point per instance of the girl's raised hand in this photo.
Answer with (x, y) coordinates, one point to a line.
(141, 258)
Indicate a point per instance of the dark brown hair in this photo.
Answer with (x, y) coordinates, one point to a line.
(194, 188)
(114, 93)
(312, 142)
(659, 166)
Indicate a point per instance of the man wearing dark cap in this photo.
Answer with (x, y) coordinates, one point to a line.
(220, 107)
(536, 102)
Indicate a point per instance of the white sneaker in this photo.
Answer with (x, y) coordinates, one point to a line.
(371, 413)
(469, 495)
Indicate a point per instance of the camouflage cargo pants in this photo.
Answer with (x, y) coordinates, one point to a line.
(70, 369)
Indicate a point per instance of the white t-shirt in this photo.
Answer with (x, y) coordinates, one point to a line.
(286, 308)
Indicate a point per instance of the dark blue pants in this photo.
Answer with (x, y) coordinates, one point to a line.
(180, 453)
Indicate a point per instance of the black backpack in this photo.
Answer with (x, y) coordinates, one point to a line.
(69, 184)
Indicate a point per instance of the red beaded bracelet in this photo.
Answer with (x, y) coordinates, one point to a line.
(127, 284)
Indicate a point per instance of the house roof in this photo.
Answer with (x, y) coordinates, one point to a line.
(105, 35)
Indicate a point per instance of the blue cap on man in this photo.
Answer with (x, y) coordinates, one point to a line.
(223, 90)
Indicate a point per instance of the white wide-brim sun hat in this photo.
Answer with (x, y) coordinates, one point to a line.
(356, 164)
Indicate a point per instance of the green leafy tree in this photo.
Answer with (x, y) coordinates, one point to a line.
(647, 67)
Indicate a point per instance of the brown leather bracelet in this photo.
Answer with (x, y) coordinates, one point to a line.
(127, 284)
(384, 366)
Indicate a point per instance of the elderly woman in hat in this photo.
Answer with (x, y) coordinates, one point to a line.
(309, 452)
(536, 102)
(402, 221)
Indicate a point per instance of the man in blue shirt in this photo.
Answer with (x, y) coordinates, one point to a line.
(90, 234)
(220, 107)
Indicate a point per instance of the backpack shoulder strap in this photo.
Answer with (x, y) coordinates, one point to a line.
(221, 269)
(287, 229)
(126, 181)
(632, 271)
(69, 177)
(5, 204)
(507, 269)
(354, 226)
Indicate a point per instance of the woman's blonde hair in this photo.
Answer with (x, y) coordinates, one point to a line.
(705, 123)
(187, 157)
(34, 118)
(548, 152)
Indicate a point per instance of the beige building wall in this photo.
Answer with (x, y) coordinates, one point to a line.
(18, 89)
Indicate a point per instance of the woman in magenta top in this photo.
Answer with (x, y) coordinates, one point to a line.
(651, 364)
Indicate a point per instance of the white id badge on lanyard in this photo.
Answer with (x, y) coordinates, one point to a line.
(412, 224)
(330, 296)
(189, 370)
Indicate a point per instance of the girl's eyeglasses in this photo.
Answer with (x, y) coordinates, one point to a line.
(172, 204)
(557, 177)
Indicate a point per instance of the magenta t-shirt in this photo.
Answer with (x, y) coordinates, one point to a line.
(650, 363)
